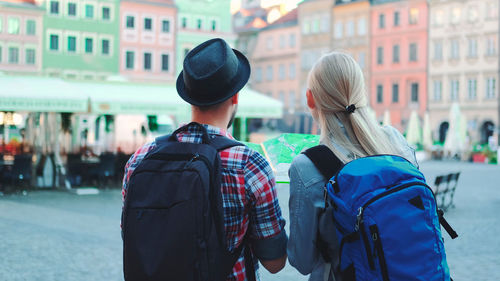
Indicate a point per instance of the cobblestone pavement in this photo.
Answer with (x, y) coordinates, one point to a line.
(49, 235)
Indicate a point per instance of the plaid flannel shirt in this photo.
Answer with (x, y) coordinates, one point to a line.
(249, 198)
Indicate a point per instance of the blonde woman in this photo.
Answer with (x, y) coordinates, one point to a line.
(337, 100)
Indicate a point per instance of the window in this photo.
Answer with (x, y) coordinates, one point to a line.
(381, 21)
(1, 50)
(165, 26)
(380, 55)
(350, 28)
(455, 51)
(72, 9)
(199, 24)
(130, 22)
(281, 72)
(472, 14)
(472, 89)
(414, 92)
(30, 56)
(361, 60)
(396, 18)
(269, 43)
(472, 48)
(291, 71)
(438, 90)
(71, 44)
(490, 88)
(54, 7)
(148, 24)
(184, 22)
(147, 61)
(269, 73)
(89, 11)
(413, 52)
(438, 51)
(492, 10)
(214, 25)
(490, 46)
(258, 75)
(454, 87)
(129, 60)
(338, 30)
(438, 18)
(30, 27)
(13, 26)
(186, 52)
(395, 53)
(1, 24)
(306, 26)
(292, 40)
(362, 26)
(325, 23)
(395, 93)
(291, 99)
(105, 46)
(164, 62)
(13, 55)
(106, 13)
(282, 41)
(54, 42)
(456, 13)
(413, 16)
(89, 45)
(380, 94)
(315, 26)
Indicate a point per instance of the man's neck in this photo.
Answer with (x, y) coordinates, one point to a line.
(221, 124)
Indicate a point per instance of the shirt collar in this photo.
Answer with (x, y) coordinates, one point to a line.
(212, 130)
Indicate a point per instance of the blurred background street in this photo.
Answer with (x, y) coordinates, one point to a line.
(55, 235)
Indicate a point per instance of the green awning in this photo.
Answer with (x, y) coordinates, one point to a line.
(42, 94)
(39, 94)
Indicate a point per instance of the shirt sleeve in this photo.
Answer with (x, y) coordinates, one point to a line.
(302, 251)
(266, 229)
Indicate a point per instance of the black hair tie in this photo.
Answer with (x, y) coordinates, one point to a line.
(350, 109)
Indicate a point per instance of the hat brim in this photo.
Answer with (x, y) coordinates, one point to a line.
(243, 73)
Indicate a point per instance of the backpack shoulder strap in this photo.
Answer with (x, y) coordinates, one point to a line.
(324, 159)
(220, 143)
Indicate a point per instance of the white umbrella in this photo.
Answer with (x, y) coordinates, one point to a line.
(413, 132)
(387, 118)
(427, 138)
(454, 142)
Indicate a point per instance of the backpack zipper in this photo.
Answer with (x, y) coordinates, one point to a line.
(379, 251)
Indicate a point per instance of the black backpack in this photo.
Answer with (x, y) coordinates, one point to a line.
(173, 220)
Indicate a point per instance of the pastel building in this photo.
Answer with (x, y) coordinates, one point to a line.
(20, 37)
(315, 21)
(147, 40)
(201, 20)
(399, 59)
(275, 61)
(351, 32)
(463, 65)
(80, 39)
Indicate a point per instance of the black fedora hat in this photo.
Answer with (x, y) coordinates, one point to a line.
(212, 73)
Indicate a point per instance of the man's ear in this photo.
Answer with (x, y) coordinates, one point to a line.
(234, 99)
(310, 99)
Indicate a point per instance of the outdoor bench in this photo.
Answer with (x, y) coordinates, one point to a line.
(444, 189)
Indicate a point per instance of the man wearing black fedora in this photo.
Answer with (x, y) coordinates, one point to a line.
(212, 76)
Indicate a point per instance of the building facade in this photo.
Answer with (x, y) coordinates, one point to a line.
(147, 40)
(201, 20)
(351, 32)
(275, 61)
(81, 39)
(21, 27)
(399, 45)
(315, 23)
(463, 65)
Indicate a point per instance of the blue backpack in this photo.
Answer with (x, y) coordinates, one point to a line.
(386, 219)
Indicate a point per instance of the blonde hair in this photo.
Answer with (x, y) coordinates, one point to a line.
(336, 82)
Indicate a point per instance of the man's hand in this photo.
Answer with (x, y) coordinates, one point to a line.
(274, 266)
